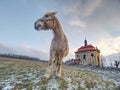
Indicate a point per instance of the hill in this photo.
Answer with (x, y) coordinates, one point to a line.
(18, 74)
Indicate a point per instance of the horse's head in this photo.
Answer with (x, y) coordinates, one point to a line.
(46, 22)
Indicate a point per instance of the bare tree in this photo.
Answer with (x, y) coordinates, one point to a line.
(116, 64)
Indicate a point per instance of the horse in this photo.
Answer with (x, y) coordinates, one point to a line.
(59, 45)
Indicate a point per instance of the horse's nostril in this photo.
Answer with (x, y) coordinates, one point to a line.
(37, 25)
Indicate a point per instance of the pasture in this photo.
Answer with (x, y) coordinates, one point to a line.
(18, 74)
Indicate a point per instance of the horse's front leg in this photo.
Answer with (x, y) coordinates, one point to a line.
(50, 67)
(58, 69)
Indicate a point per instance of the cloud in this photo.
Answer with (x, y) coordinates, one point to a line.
(95, 19)
(5, 49)
(25, 50)
(77, 23)
(109, 46)
(89, 6)
(93, 14)
(33, 52)
(81, 8)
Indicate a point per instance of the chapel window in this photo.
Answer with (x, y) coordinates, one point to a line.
(92, 54)
(84, 56)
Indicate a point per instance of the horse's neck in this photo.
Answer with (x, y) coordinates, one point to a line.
(58, 32)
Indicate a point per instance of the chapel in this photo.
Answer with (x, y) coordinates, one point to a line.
(88, 55)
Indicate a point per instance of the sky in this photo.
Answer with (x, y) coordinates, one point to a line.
(97, 20)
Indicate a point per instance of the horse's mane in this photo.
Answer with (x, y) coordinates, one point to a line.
(58, 29)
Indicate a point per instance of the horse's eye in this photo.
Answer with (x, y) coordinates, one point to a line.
(46, 15)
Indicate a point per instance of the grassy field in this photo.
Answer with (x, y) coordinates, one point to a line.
(18, 74)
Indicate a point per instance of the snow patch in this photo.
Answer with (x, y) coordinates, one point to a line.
(8, 87)
(52, 84)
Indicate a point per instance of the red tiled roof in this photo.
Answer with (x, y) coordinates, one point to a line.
(86, 48)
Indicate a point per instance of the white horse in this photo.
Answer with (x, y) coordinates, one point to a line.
(59, 45)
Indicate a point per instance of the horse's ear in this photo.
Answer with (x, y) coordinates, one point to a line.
(54, 13)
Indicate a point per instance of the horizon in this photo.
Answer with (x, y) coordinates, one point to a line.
(97, 20)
